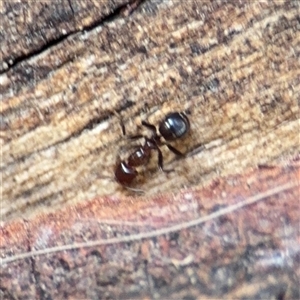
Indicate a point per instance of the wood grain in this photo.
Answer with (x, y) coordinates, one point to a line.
(238, 76)
(237, 238)
(69, 71)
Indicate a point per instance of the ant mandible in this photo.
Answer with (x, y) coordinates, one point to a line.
(174, 126)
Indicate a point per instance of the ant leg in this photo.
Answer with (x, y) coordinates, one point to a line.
(130, 137)
(174, 150)
(160, 161)
(135, 137)
(118, 115)
(138, 136)
(149, 126)
(123, 128)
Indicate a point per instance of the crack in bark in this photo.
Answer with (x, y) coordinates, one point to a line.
(122, 11)
(89, 125)
(71, 7)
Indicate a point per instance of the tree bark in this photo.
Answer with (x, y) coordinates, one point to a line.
(71, 72)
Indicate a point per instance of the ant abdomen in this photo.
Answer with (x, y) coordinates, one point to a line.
(125, 173)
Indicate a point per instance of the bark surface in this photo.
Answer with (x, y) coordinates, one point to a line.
(70, 71)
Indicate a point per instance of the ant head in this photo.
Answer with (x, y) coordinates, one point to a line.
(174, 126)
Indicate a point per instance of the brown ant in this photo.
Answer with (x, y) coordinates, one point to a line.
(174, 126)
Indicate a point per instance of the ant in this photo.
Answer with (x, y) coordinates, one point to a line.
(174, 126)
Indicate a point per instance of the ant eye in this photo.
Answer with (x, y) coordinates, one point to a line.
(174, 126)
